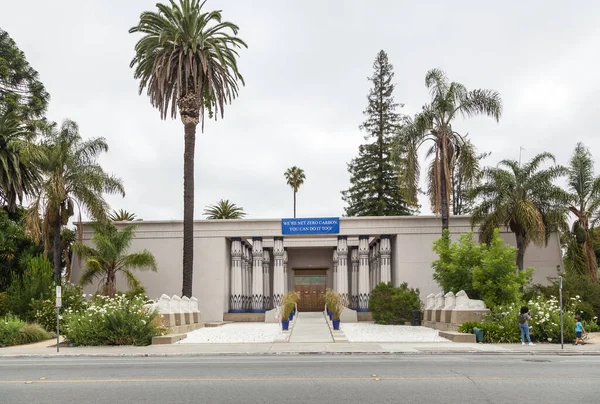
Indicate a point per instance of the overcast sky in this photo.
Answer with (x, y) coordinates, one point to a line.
(306, 72)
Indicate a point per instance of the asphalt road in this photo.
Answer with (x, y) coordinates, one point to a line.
(303, 379)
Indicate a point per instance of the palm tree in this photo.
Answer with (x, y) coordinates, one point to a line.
(122, 216)
(224, 210)
(465, 176)
(295, 178)
(19, 174)
(187, 60)
(522, 198)
(108, 258)
(584, 203)
(434, 124)
(71, 177)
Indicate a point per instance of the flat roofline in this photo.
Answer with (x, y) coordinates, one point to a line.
(274, 220)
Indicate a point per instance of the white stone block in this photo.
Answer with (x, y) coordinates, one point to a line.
(464, 303)
(430, 301)
(185, 305)
(439, 301)
(175, 305)
(194, 305)
(164, 304)
(449, 301)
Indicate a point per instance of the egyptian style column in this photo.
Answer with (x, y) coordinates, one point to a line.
(266, 281)
(354, 278)
(278, 272)
(335, 270)
(363, 273)
(377, 263)
(257, 276)
(244, 277)
(285, 271)
(371, 266)
(342, 270)
(236, 297)
(385, 253)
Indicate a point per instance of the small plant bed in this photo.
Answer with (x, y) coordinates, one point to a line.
(113, 321)
(17, 332)
(502, 324)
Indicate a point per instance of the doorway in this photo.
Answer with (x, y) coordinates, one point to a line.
(311, 285)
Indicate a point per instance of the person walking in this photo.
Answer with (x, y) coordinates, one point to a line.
(579, 331)
(524, 317)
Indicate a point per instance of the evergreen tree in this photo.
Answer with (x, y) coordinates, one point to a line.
(374, 189)
(20, 87)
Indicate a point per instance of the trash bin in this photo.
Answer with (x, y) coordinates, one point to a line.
(478, 334)
(415, 317)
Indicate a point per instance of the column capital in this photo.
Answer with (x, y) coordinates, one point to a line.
(256, 238)
(363, 237)
(278, 238)
(266, 257)
(342, 237)
(354, 255)
(386, 236)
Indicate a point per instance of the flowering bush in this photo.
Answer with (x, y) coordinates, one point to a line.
(113, 321)
(44, 310)
(502, 325)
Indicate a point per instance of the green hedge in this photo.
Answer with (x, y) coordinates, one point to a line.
(390, 305)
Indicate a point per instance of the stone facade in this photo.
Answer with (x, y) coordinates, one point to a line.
(243, 266)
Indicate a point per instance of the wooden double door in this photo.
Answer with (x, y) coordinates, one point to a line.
(311, 285)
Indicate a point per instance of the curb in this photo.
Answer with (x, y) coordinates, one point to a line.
(311, 353)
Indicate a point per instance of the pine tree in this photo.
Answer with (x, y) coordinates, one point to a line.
(20, 87)
(374, 189)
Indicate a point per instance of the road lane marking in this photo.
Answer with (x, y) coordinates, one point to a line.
(301, 379)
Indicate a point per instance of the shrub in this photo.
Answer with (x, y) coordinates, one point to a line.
(31, 333)
(9, 330)
(390, 305)
(34, 284)
(496, 277)
(44, 311)
(113, 321)
(502, 324)
(453, 271)
(486, 272)
(576, 288)
(3, 304)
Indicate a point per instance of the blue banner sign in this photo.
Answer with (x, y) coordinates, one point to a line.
(321, 225)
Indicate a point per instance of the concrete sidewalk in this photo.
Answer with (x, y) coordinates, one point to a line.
(48, 348)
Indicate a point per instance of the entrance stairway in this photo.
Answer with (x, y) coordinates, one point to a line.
(310, 327)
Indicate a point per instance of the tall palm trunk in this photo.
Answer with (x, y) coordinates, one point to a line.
(56, 248)
(591, 265)
(111, 284)
(188, 208)
(295, 204)
(444, 207)
(520, 250)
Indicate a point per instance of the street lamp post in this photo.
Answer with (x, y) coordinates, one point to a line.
(562, 331)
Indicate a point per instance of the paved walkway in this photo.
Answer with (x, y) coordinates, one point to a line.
(310, 328)
(48, 349)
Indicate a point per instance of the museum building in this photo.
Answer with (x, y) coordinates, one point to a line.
(245, 266)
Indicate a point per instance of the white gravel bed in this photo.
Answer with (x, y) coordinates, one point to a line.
(234, 333)
(369, 332)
